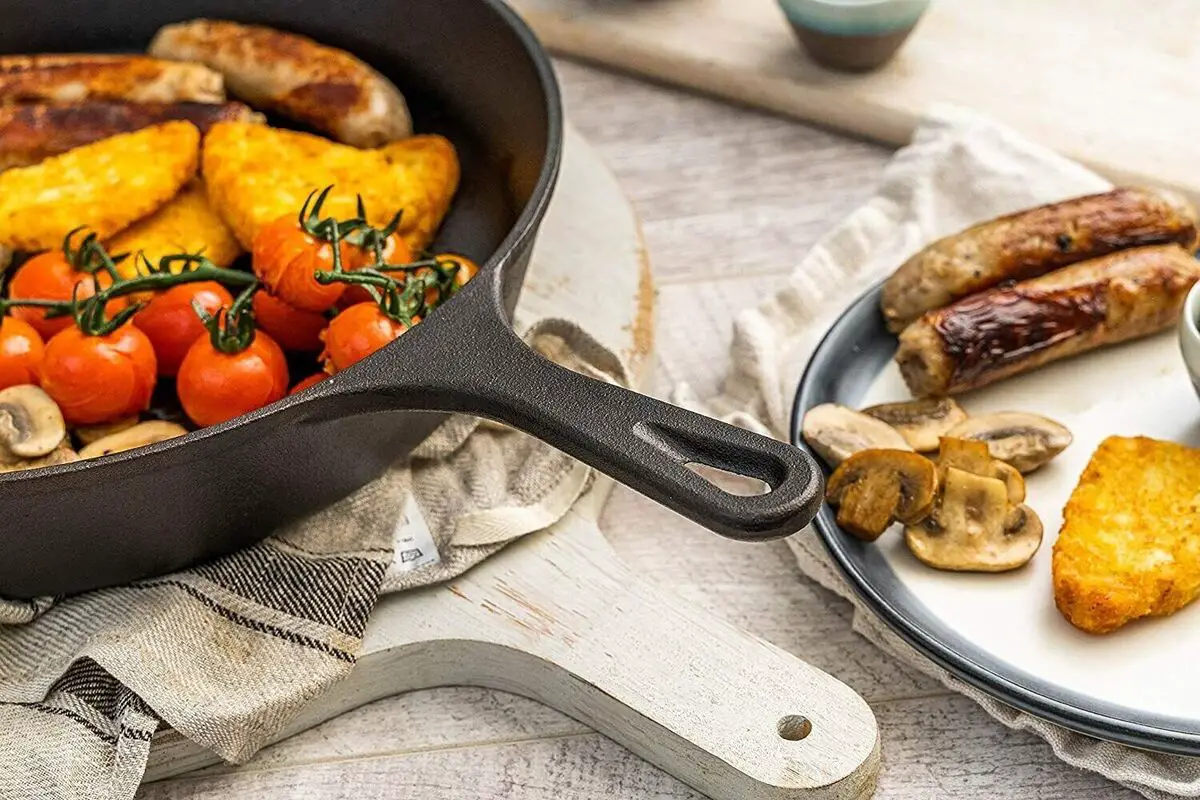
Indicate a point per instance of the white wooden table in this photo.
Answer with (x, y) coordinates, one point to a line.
(730, 199)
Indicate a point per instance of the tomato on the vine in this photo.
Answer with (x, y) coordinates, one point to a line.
(356, 333)
(52, 276)
(285, 257)
(310, 381)
(291, 328)
(21, 352)
(464, 270)
(215, 386)
(98, 379)
(171, 323)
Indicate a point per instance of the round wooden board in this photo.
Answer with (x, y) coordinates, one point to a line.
(557, 617)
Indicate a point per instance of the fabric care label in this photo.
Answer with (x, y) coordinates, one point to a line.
(415, 547)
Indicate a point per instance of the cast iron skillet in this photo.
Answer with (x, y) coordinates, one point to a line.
(472, 71)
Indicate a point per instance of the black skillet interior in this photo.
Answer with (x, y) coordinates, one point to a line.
(473, 71)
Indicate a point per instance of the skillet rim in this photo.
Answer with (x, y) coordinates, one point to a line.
(522, 230)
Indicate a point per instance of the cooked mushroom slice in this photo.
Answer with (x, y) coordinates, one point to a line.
(920, 422)
(836, 432)
(973, 456)
(973, 527)
(30, 423)
(875, 488)
(139, 435)
(1027, 441)
(86, 434)
(63, 454)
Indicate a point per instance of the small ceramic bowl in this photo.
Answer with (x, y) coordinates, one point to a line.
(1189, 335)
(852, 35)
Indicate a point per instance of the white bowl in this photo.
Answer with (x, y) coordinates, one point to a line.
(1189, 335)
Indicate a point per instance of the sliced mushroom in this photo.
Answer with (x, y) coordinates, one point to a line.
(974, 527)
(86, 434)
(1027, 441)
(63, 454)
(836, 432)
(920, 422)
(30, 423)
(973, 456)
(140, 435)
(874, 488)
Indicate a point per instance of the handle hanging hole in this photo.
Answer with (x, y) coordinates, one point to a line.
(730, 482)
(794, 727)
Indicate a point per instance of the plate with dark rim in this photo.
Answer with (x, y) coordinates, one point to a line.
(1002, 633)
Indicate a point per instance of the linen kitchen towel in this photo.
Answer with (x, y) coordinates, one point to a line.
(960, 169)
(227, 652)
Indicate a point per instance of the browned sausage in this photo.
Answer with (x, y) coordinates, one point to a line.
(1002, 332)
(30, 132)
(74, 78)
(321, 86)
(1031, 243)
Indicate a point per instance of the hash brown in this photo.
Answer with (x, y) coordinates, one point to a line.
(105, 186)
(1129, 545)
(257, 174)
(187, 224)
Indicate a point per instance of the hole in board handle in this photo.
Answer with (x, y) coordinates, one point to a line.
(794, 727)
(730, 482)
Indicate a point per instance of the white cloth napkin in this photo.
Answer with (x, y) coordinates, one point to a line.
(960, 169)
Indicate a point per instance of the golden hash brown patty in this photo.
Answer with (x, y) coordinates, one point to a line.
(105, 186)
(256, 174)
(1130, 542)
(187, 224)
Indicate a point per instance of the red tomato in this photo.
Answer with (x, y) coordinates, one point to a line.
(98, 379)
(21, 351)
(356, 333)
(395, 251)
(214, 386)
(290, 327)
(311, 380)
(284, 259)
(172, 324)
(467, 269)
(49, 276)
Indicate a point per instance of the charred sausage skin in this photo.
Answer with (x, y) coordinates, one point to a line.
(1032, 243)
(1006, 331)
(31, 132)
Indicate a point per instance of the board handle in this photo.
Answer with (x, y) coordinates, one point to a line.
(474, 363)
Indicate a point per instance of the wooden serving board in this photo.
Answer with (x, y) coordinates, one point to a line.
(558, 618)
(1107, 82)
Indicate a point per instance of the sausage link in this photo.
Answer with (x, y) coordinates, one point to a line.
(324, 87)
(73, 78)
(1006, 331)
(1031, 243)
(31, 132)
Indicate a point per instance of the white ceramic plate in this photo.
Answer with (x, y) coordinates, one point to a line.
(1002, 632)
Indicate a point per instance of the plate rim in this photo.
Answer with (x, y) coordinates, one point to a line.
(1142, 730)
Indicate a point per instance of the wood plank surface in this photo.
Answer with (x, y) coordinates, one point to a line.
(716, 245)
(1063, 72)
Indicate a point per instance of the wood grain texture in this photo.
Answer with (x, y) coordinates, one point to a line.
(472, 743)
(1057, 87)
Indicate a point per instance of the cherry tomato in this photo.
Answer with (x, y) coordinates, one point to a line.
(285, 257)
(98, 379)
(395, 251)
(214, 386)
(311, 380)
(21, 351)
(171, 323)
(49, 276)
(291, 328)
(356, 333)
(467, 269)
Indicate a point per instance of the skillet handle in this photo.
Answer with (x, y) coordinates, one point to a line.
(474, 363)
